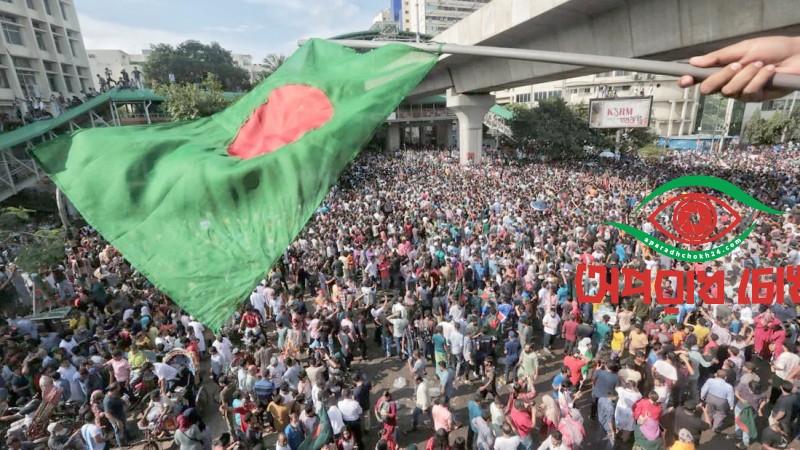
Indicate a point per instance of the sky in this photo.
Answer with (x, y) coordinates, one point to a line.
(255, 27)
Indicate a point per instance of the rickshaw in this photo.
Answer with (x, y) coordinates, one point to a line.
(190, 390)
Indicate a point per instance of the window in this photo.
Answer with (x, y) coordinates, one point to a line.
(627, 87)
(22, 62)
(30, 4)
(47, 7)
(63, 10)
(11, 31)
(775, 105)
(523, 98)
(72, 49)
(48, 66)
(51, 79)
(40, 40)
(4, 84)
(27, 80)
(57, 41)
(68, 83)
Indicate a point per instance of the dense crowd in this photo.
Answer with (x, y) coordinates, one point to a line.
(466, 275)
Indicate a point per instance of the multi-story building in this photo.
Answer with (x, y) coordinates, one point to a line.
(43, 54)
(113, 61)
(246, 63)
(116, 60)
(434, 16)
(674, 113)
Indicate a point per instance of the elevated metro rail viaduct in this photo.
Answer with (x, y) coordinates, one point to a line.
(652, 29)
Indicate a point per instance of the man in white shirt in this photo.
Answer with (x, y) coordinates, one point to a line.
(508, 441)
(198, 329)
(553, 442)
(259, 301)
(785, 364)
(550, 323)
(456, 343)
(399, 326)
(224, 348)
(165, 373)
(351, 413)
(68, 343)
(335, 416)
(95, 436)
(422, 403)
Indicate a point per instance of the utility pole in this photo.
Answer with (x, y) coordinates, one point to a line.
(62, 213)
(417, 19)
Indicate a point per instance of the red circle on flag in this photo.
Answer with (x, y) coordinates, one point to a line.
(289, 113)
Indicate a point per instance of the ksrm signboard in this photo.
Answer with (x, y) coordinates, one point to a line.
(628, 112)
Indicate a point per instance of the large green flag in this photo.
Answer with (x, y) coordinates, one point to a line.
(204, 208)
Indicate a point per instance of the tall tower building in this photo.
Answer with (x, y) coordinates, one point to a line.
(434, 16)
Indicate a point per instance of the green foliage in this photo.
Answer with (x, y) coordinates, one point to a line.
(553, 129)
(652, 153)
(760, 131)
(191, 61)
(12, 218)
(45, 247)
(41, 247)
(637, 138)
(271, 63)
(191, 101)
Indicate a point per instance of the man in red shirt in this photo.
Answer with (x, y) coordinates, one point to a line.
(569, 331)
(521, 419)
(250, 320)
(383, 268)
(648, 407)
(575, 363)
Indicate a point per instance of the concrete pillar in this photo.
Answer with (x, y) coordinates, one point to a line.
(393, 137)
(444, 133)
(469, 110)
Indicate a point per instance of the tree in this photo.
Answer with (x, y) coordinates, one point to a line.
(652, 153)
(271, 63)
(553, 129)
(44, 247)
(755, 131)
(192, 100)
(760, 131)
(190, 61)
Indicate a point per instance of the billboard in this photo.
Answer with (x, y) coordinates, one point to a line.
(627, 112)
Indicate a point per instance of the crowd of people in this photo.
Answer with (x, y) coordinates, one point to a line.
(459, 279)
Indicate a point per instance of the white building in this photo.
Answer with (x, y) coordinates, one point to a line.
(674, 109)
(434, 16)
(114, 61)
(43, 53)
(246, 63)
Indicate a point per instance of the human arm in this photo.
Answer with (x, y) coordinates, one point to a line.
(746, 68)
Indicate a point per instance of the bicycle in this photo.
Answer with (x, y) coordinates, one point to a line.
(154, 435)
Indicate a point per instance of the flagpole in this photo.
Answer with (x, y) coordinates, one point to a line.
(780, 80)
